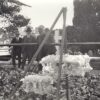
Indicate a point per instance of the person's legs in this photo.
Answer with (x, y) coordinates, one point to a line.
(30, 55)
(19, 60)
(24, 60)
(14, 59)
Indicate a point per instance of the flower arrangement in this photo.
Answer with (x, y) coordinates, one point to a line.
(38, 84)
(76, 65)
(71, 64)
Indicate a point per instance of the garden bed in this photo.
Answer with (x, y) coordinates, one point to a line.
(81, 88)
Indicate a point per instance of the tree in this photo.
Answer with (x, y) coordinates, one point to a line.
(9, 11)
(87, 18)
(87, 22)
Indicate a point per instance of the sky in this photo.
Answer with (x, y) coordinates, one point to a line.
(44, 12)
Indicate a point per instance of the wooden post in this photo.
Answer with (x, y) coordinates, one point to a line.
(61, 53)
(67, 87)
(58, 44)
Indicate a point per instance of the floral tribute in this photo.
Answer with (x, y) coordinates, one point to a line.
(38, 84)
(71, 64)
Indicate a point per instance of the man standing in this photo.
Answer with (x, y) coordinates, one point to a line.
(47, 48)
(28, 50)
(16, 50)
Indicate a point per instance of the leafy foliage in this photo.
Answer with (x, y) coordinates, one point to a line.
(87, 18)
(81, 88)
(20, 20)
(10, 9)
(86, 22)
(11, 30)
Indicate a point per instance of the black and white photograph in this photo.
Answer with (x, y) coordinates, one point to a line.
(49, 49)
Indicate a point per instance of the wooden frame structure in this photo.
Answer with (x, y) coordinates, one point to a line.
(63, 11)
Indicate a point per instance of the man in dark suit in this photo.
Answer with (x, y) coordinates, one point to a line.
(16, 50)
(47, 49)
(28, 50)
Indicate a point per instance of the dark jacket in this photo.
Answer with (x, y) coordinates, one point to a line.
(47, 49)
(16, 49)
(29, 48)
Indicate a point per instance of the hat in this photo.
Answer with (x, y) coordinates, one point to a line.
(41, 27)
(28, 29)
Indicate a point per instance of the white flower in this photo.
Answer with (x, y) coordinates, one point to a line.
(72, 64)
(37, 83)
